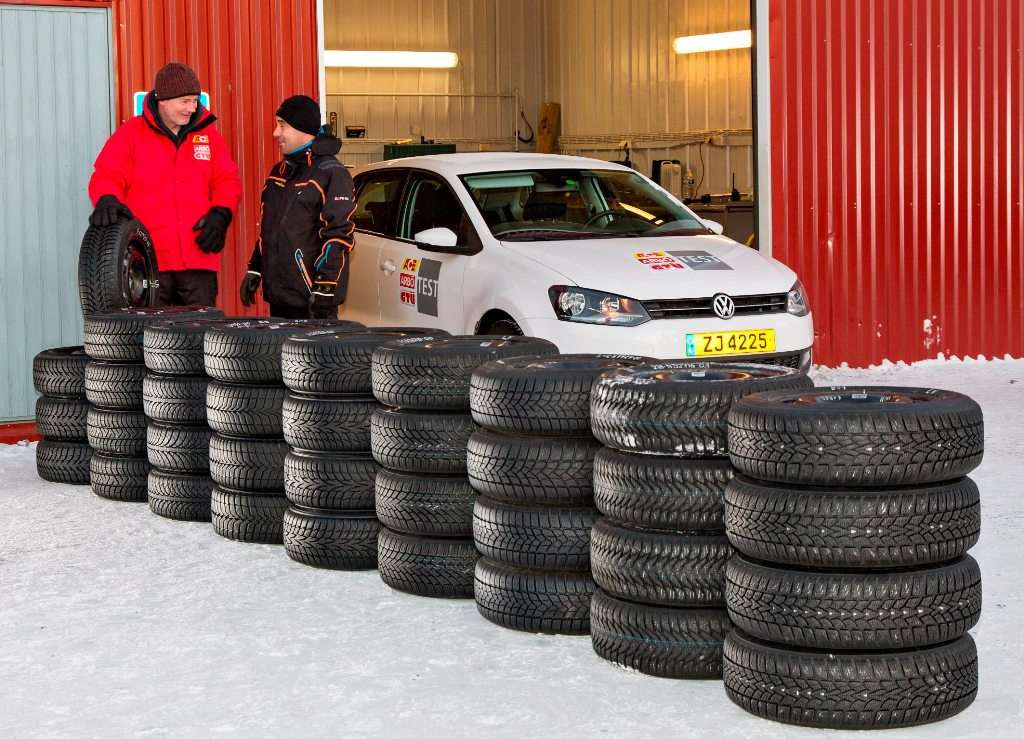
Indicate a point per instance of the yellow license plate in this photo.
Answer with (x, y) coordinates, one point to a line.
(723, 343)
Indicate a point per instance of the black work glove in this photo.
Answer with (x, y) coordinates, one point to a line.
(321, 301)
(213, 227)
(108, 211)
(247, 290)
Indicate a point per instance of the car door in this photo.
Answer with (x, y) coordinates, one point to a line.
(423, 287)
(378, 195)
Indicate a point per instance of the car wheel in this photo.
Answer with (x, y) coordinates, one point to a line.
(502, 327)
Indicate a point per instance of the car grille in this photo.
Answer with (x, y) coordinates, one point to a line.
(783, 360)
(746, 305)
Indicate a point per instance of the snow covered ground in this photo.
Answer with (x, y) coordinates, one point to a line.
(115, 622)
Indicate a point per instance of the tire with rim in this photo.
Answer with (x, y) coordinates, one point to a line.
(249, 351)
(679, 408)
(248, 465)
(421, 441)
(661, 492)
(181, 497)
(430, 373)
(117, 336)
(251, 517)
(119, 478)
(857, 437)
(331, 540)
(540, 602)
(244, 410)
(60, 371)
(62, 419)
(853, 527)
(121, 433)
(534, 537)
(115, 385)
(678, 643)
(850, 690)
(425, 505)
(437, 568)
(179, 399)
(540, 395)
(327, 423)
(117, 268)
(338, 481)
(176, 347)
(63, 461)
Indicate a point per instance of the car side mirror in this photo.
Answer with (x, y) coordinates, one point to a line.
(436, 239)
(713, 226)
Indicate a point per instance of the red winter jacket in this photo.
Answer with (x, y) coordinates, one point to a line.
(169, 182)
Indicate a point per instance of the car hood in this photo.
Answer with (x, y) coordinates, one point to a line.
(661, 268)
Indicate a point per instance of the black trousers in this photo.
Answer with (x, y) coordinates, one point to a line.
(188, 287)
(287, 311)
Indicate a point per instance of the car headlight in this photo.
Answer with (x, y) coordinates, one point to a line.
(796, 300)
(581, 305)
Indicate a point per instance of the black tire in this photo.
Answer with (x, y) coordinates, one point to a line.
(341, 481)
(661, 492)
(853, 690)
(249, 351)
(180, 497)
(533, 537)
(63, 461)
(119, 433)
(250, 465)
(857, 437)
(115, 385)
(868, 611)
(432, 373)
(337, 361)
(255, 518)
(62, 419)
(425, 506)
(326, 423)
(532, 469)
(436, 568)
(60, 371)
(179, 399)
(176, 347)
(871, 529)
(333, 541)
(119, 478)
(679, 408)
(421, 442)
(117, 268)
(117, 337)
(658, 567)
(540, 395)
(531, 600)
(677, 643)
(244, 410)
(178, 448)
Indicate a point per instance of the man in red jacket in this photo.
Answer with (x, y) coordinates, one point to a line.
(170, 168)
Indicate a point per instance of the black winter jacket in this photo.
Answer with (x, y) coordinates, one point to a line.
(305, 226)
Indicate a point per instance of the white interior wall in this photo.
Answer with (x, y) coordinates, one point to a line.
(609, 63)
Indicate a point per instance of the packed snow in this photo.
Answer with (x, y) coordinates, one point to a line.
(116, 622)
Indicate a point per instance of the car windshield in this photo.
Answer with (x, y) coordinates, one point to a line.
(558, 204)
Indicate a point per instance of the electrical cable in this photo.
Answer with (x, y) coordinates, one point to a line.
(529, 139)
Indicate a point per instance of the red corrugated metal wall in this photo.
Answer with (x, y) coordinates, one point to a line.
(897, 170)
(249, 54)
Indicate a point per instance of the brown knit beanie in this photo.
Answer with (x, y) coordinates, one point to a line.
(175, 80)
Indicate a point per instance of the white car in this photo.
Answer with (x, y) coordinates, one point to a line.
(589, 254)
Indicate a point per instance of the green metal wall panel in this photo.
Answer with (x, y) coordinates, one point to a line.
(56, 87)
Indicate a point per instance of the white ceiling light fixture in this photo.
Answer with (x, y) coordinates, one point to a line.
(712, 42)
(391, 59)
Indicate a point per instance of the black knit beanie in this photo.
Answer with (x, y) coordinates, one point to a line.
(301, 113)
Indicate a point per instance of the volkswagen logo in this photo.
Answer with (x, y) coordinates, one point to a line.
(723, 305)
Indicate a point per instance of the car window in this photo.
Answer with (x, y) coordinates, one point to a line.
(557, 204)
(431, 204)
(377, 198)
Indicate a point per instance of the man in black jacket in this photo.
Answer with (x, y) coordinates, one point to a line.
(305, 237)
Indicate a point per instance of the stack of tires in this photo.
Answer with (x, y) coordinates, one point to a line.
(63, 454)
(659, 555)
(177, 435)
(532, 463)
(852, 591)
(329, 472)
(113, 385)
(244, 402)
(424, 500)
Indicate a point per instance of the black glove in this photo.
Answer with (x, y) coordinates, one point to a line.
(321, 301)
(247, 290)
(213, 227)
(108, 211)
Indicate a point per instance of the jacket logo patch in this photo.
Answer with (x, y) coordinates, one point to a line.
(201, 151)
(200, 139)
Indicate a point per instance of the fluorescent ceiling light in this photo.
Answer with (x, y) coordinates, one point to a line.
(391, 59)
(712, 42)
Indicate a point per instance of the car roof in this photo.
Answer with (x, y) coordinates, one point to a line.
(471, 162)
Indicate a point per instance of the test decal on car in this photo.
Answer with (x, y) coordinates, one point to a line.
(418, 284)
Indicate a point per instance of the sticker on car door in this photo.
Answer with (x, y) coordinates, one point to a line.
(419, 284)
